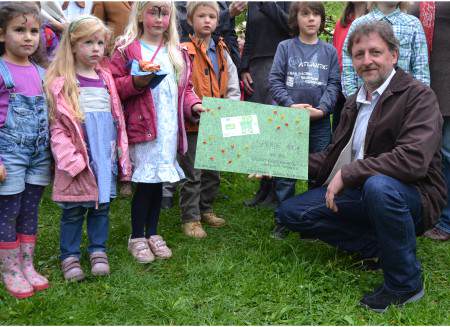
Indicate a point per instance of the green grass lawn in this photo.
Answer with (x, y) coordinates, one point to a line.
(236, 276)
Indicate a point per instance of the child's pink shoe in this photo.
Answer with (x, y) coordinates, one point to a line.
(99, 264)
(159, 247)
(140, 250)
(27, 245)
(72, 270)
(15, 282)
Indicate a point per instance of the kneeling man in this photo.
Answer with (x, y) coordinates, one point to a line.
(379, 182)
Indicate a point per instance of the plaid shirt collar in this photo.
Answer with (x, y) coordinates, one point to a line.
(391, 18)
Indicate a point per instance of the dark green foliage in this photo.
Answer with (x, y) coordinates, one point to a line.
(333, 11)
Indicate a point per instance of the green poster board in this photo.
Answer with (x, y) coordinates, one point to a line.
(246, 137)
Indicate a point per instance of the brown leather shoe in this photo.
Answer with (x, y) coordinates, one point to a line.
(212, 220)
(194, 229)
(437, 234)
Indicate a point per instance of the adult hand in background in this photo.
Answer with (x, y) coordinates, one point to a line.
(248, 81)
(237, 7)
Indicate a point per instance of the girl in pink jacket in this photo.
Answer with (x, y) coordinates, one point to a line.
(88, 141)
(154, 116)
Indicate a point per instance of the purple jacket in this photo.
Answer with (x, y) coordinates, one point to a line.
(139, 109)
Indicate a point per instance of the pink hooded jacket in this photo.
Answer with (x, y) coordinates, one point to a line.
(139, 109)
(74, 180)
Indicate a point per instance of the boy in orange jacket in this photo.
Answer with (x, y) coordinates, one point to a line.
(213, 75)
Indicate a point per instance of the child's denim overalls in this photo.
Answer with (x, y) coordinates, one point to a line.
(24, 138)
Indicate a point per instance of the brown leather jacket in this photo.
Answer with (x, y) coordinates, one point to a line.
(403, 141)
(114, 14)
(206, 82)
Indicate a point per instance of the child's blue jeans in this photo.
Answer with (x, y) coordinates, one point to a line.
(72, 228)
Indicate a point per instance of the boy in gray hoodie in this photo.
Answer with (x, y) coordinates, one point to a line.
(305, 74)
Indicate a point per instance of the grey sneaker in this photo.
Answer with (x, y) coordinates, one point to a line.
(72, 270)
(99, 264)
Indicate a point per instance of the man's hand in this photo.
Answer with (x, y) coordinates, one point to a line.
(237, 7)
(142, 81)
(2, 173)
(334, 188)
(248, 82)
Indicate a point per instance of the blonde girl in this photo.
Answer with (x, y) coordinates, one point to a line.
(154, 116)
(88, 141)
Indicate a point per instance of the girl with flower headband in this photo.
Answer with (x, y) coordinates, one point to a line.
(154, 116)
(88, 141)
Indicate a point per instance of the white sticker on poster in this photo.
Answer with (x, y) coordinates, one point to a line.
(240, 125)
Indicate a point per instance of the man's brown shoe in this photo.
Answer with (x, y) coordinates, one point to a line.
(194, 229)
(212, 220)
(437, 234)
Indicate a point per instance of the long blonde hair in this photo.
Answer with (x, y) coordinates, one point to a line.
(135, 29)
(63, 64)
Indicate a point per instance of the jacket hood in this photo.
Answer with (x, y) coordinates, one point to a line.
(57, 85)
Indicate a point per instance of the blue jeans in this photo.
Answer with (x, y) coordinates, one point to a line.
(379, 220)
(444, 221)
(319, 138)
(72, 228)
